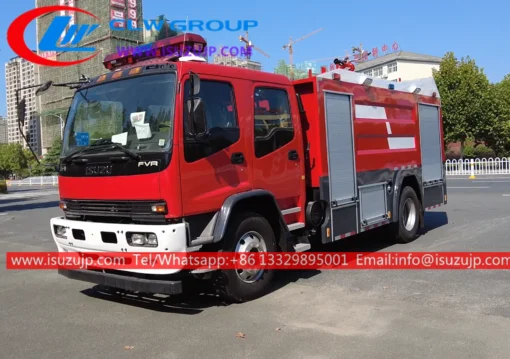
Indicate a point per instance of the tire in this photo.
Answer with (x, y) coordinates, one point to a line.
(246, 230)
(406, 229)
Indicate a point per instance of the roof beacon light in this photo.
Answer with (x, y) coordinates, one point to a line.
(171, 49)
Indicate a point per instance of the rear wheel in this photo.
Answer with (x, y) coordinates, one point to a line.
(406, 229)
(249, 232)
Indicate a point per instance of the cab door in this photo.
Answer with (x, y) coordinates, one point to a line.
(278, 160)
(215, 168)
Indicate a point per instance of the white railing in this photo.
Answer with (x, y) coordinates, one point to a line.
(35, 181)
(484, 166)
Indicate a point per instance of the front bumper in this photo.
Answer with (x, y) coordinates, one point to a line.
(125, 282)
(90, 237)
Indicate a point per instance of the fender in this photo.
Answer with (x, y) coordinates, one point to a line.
(398, 179)
(217, 226)
(226, 210)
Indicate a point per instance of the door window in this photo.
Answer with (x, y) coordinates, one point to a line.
(221, 118)
(273, 120)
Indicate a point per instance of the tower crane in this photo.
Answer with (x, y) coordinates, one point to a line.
(249, 44)
(290, 45)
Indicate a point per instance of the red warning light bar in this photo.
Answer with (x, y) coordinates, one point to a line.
(173, 46)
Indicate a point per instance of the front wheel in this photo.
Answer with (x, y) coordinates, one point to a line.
(248, 232)
(406, 229)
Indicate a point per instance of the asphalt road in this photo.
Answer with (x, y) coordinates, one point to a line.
(329, 314)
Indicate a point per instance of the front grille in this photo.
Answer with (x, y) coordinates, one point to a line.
(111, 207)
(136, 211)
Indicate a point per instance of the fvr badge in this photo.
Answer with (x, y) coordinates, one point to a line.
(148, 163)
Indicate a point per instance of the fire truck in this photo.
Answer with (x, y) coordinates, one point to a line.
(170, 153)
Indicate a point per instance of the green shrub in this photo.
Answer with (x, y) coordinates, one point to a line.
(468, 152)
(3, 186)
(482, 151)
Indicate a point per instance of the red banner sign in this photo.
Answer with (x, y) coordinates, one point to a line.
(118, 3)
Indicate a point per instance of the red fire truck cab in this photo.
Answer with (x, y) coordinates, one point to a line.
(170, 155)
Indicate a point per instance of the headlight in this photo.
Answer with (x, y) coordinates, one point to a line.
(60, 231)
(142, 239)
(152, 240)
(63, 205)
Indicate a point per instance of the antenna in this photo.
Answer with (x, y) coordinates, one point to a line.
(185, 33)
(248, 45)
(290, 47)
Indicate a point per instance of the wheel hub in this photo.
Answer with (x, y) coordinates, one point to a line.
(250, 242)
(409, 215)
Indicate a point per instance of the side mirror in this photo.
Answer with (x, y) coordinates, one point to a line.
(195, 84)
(21, 108)
(197, 124)
(43, 88)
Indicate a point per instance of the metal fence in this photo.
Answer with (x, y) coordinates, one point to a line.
(35, 181)
(469, 167)
(474, 167)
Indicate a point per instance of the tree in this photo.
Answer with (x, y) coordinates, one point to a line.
(52, 158)
(502, 96)
(165, 31)
(282, 68)
(12, 159)
(467, 99)
(33, 167)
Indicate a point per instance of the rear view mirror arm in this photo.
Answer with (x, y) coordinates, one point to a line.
(23, 120)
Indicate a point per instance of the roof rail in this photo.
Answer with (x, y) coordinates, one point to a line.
(423, 86)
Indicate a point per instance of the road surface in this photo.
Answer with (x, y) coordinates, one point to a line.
(311, 314)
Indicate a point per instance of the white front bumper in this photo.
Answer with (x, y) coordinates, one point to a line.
(171, 238)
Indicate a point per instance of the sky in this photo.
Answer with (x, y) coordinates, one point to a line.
(480, 30)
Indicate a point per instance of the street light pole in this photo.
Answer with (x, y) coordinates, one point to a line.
(62, 124)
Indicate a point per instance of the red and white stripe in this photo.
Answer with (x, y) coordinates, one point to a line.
(345, 235)
(379, 113)
(437, 205)
(372, 226)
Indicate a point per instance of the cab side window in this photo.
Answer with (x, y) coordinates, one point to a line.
(221, 119)
(273, 120)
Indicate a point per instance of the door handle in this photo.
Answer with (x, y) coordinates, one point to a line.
(293, 155)
(237, 158)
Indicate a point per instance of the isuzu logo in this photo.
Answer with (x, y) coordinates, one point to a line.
(98, 170)
(147, 164)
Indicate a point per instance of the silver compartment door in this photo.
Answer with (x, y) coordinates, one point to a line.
(430, 140)
(340, 148)
(373, 203)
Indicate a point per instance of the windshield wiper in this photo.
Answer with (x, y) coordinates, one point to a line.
(102, 145)
(115, 145)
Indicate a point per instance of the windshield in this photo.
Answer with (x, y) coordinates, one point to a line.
(136, 113)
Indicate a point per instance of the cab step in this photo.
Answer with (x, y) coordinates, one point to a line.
(302, 247)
